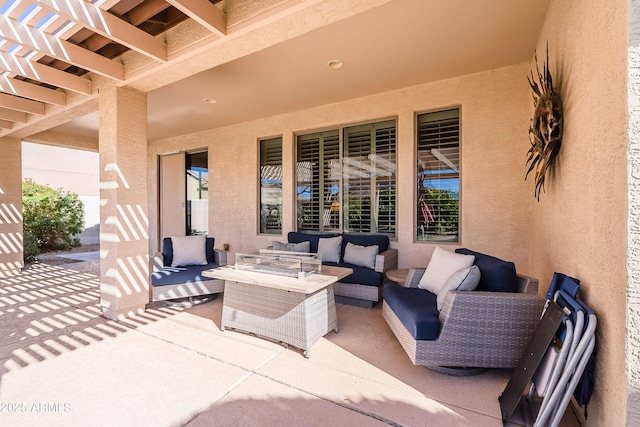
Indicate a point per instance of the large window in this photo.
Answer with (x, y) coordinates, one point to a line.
(438, 176)
(271, 186)
(348, 185)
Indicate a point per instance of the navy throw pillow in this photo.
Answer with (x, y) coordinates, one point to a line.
(496, 275)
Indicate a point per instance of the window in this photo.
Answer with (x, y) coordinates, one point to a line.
(197, 193)
(271, 186)
(350, 189)
(438, 176)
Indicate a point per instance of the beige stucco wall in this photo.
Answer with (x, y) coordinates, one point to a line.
(495, 198)
(579, 225)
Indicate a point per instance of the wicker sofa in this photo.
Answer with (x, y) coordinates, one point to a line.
(364, 286)
(473, 329)
(168, 283)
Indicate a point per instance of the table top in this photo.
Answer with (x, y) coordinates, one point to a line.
(398, 275)
(306, 285)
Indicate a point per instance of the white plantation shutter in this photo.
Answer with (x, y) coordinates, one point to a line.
(438, 175)
(318, 180)
(352, 192)
(369, 187)
(271, 186)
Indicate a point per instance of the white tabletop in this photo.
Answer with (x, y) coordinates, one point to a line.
(307, 285)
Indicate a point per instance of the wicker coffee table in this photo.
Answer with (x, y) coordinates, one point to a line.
(295, 311)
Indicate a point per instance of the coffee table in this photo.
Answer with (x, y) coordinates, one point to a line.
(296, 311)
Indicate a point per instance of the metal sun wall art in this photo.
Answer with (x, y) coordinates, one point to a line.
(545, 129)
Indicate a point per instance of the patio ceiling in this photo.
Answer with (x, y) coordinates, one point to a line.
(235, 53)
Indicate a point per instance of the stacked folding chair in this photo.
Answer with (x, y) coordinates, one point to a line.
(564, 362)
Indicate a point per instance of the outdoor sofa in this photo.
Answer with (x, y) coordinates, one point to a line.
(369, 255)
(177, 270)
(488, 327)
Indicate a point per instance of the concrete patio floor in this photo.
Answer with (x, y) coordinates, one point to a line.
(63, 364)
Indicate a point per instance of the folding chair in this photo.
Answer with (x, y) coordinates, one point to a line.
(557, 376)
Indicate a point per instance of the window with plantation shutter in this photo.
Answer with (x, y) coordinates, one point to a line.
(369, 178)
(348, 186)
(438, 176)
(318, 181)
(271, 186)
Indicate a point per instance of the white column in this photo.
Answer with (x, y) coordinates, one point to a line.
(10, 207)
(124, 225)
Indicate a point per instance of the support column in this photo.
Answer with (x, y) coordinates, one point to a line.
(11, 258)
(124, 225)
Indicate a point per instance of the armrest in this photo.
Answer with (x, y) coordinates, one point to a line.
(527, 285)
(157, 263)
(478, 313)
(387, 260)
(220, 257)
(413, 277)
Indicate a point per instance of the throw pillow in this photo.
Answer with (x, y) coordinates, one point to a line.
(189, 250)
(329, 248)
(292, 247)
(363, 256)
(465, 279)
(441, 266)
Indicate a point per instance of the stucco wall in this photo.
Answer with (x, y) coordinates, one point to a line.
(495, 199)
(579, 225)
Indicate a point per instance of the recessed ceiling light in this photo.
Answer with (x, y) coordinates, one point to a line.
(334, 64)
(210, 100)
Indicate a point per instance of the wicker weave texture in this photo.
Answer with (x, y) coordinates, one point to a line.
(190, 289)
(291, 317)
(385, 261)
(354, 290)
(477, 329)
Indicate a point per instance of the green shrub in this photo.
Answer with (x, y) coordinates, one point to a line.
(30, 247)
(53, 217)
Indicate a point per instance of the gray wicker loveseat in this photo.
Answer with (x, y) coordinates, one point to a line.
(177, 270)
(484, 328)
(368, 255)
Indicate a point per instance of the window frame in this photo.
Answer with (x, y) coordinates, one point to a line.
(340, 132)
(416, 196)
(262, 231)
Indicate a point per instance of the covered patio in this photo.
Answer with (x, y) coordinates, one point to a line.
(141, 81)
(64, 364)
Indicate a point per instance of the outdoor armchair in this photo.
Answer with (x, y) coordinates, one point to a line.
(473, 329)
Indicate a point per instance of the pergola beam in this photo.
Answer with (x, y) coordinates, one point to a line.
(32, 38)
(92, 17)
(13, 115)
(32, 91)
(16, 65)
(204, 13)
(16, 103)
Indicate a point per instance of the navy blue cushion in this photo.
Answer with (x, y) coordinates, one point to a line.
(312, 238)
(209, 249)
(496, 275)
(357, 239)
(366, 240)
(416, 308)
(167, 250)
(361, 275)
(176, 275)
